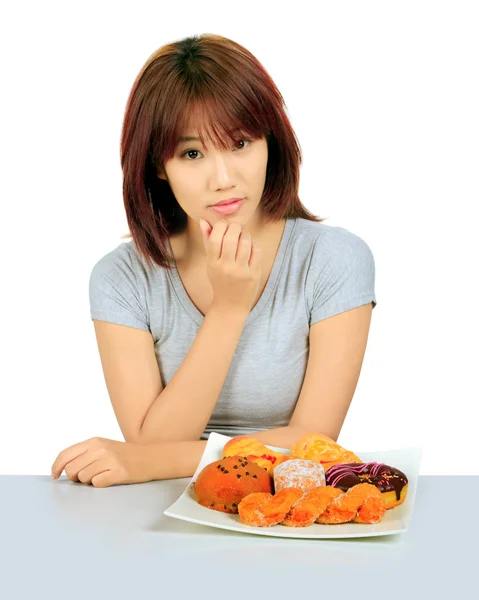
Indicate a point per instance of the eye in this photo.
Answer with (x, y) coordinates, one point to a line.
(248, 141)
(186, 153)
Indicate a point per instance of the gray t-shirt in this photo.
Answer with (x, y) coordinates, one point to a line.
(320, 270)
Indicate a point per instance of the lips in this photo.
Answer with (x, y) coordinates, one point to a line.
(227, 209)
(226, 202)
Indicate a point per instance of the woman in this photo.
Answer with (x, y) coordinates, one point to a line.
(251, 318)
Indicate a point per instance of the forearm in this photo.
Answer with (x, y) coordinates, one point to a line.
(281, 437)
(183, 409)
(171, 460)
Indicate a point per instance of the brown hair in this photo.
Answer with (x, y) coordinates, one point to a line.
(230, 89)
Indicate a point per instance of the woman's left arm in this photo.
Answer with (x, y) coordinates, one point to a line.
(336, 351)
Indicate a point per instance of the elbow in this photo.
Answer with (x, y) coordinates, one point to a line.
(133, 438)
(140, 435)
(145, 437)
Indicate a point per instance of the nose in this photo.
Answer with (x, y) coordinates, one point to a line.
(222, 171)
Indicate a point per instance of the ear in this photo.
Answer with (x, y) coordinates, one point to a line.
(161, 173)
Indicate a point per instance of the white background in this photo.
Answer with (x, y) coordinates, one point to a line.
(384, 99)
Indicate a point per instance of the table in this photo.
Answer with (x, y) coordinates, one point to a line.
(60, 539)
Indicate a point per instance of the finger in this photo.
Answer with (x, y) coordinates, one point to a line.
(67, 456)
(74, 468)
(213, 248)
(91, 471)
(87, 460)
(230, 242)
(244, 249)
(205, 230)
(103, 479)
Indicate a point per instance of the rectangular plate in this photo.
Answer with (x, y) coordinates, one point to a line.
(395, 520)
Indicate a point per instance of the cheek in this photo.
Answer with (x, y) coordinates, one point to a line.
(183, 182)
(257, 168)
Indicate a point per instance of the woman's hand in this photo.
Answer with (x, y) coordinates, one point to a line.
(234, 265)
(104, 462)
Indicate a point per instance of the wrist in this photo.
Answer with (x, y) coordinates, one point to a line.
(171, 460)
(148, 461)
(228, 312)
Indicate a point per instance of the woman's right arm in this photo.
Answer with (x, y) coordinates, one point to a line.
(183, 409)
(146, 412)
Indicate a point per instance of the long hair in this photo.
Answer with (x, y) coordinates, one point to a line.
(228, 88)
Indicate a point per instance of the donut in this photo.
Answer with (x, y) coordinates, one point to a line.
(255, 451)
(222, 484)
(391, 482)
(298, 473)
(321, 448)
(362, 503)
(266, 510)
(292, 507)
(308, 509)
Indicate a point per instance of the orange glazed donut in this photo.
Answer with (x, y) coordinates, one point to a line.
(363, 503)
(265, 510)
(314, 503)
(222, 485)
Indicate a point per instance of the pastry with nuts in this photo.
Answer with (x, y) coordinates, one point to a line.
(222, 485)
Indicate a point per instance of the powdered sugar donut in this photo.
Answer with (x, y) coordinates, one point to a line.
(298, 473)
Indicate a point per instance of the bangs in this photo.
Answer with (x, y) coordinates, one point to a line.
(217, 120)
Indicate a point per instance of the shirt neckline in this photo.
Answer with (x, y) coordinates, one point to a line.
(198, 317)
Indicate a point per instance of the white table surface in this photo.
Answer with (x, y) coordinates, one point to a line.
(60, 539)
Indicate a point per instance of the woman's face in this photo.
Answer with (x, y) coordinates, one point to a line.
(202, 176)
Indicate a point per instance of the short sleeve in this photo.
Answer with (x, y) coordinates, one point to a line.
(343, 271)
(113, 291)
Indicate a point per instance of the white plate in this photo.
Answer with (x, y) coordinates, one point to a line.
(394, 521)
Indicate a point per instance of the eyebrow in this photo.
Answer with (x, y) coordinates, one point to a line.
(188, 139)
(181, 140)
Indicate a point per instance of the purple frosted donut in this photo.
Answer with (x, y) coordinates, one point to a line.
(384, 477)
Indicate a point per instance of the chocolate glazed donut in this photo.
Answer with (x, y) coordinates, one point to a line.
(391, 482)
